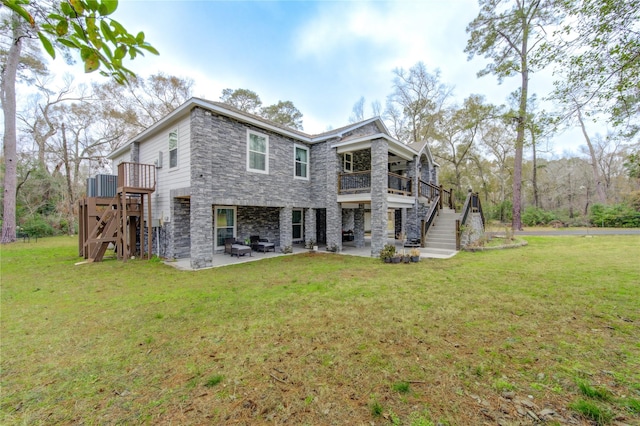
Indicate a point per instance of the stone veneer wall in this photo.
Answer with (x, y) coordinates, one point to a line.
(379, 157)
(310, 226)
(358, 226)
(286, 231)
(333, 209)
(203, 136)
(261, 221)
(361, 160)
(475, 229)
(179, 230)
(348, 223)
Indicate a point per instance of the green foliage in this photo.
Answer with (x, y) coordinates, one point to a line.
(594, 392)
(632, 405)
(534, 216)
(633, 200)
(401, 387)
(284, 113)
(376, 409)
(36, 226)
(501, 212)
(502, 385)
(615, 216)
(632, 165)
(597, 59)
(593, 411)
(387, 251)
(214, 380)
(86, 27)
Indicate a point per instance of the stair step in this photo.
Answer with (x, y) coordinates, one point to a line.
(438, 253)
(447, 246)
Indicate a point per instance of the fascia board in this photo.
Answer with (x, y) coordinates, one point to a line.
(195, 102)
(398, 148)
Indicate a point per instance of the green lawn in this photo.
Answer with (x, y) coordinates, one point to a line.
(550, 330)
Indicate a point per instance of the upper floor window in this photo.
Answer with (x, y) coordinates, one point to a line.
(348, 162)
(257, 152)
(301, 160)
(173, 149)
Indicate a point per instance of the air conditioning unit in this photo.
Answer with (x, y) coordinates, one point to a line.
(106, 185)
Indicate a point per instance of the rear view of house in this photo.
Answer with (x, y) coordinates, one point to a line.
(222, 172)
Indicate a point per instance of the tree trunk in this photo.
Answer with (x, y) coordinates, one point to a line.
(8, 96)
(516, 219)
(67, 166)
(602, 197)
(534, 179)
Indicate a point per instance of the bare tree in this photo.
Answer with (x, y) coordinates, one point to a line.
(419, 96)
(357, 112)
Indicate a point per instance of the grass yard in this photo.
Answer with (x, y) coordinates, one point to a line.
(544, 334)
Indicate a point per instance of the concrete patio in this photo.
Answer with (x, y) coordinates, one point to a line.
(348, 248)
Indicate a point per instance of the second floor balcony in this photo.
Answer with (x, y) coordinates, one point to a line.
(359, 183)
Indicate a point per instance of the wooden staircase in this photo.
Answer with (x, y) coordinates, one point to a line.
(119, 220)
(104, 233)
(441, 238)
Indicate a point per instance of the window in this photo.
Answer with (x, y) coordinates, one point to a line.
(297, 225)
(348, 162)
(225, 224)
(173, 149)
(301, 160)
(257, 152)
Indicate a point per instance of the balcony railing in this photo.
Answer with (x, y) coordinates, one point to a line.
(354, 183)
(137, 177)
(399, 185)
(360, 183)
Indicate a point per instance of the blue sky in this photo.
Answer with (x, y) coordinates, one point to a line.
(321, 55)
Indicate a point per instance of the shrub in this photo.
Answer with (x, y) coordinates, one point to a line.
(36, 226)
(387, 251)
(534, 216)
(615, 216)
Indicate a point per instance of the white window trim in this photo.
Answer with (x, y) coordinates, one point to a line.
(215, 224)
(266, 162)
(177, 151)
(308, 163)
(345, 162)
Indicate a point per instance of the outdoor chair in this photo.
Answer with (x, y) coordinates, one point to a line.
(228, 243)
(261, 244)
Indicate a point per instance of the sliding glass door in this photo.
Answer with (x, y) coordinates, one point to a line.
(224, 224)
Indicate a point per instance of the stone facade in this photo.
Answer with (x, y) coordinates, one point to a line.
(474, 229)
(203, 136)
(264, 202)
(179, 230)
(358, 226)
(261, 221)
(379, 178)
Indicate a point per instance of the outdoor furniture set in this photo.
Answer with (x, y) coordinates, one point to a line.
(239, 248)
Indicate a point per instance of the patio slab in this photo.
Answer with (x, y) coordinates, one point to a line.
(349, 249)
